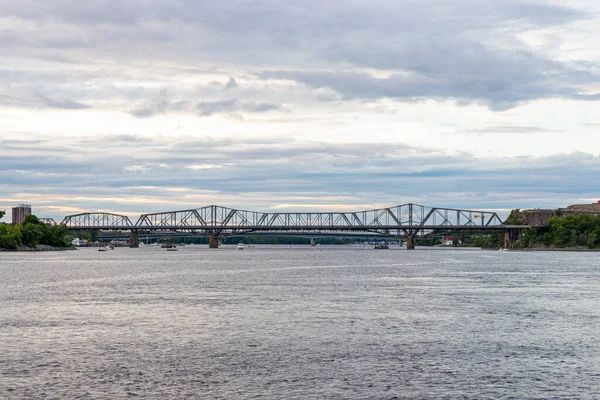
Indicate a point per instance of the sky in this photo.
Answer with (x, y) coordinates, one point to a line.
(146, 105)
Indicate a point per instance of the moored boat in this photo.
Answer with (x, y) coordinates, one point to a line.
(380, 246)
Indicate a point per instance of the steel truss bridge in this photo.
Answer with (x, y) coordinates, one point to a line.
(407, 220)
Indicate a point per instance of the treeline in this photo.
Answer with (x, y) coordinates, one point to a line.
(90, 236)
(571, 231)
(32, 233)
(582, 230)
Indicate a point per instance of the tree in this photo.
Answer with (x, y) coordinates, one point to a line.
(10, 237)
(84, 235)
(32, 234)
(2, 212)
(32, 219)
(58, 236)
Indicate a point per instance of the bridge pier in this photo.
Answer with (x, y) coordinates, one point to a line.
(213, 242)
(134, 239)
(410, 242)
(512, 236)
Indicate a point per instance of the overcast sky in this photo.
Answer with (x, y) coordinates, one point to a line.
(133, 106)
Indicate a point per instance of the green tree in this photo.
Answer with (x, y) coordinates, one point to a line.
(58, 236)
(32, 234)
(84, 235)
(2, 213)
(32, 219)
(10, 237)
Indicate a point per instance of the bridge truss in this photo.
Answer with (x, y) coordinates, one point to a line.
(407, 219)
(98, 221)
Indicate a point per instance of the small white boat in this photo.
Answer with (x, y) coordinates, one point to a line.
(240, 246)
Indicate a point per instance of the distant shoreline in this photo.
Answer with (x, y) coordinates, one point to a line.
(35, 249)
(559, 249)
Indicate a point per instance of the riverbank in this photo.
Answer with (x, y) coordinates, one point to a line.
(39, 247)
(574, 249)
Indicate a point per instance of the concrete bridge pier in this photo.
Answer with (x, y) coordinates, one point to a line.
(511, 236)
(410, 238)
(213, 242)
(134, 239)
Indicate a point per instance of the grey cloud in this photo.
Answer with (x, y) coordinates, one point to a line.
(264, 172)
(159, 105)
(268, 15)
(39, 100)
(63, 104)
(231, 83)
(464, 50)
(208, 108)
(499, 92)
(144, 112)
(259, 107)
(507, 129)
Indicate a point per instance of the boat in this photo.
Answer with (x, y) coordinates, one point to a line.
(102, 249)
(169, 247)
(381, 246)
(172, 248)
(240, 246)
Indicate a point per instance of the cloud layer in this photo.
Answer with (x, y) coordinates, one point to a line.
(464, 51)
(141, 106)
(99, 173)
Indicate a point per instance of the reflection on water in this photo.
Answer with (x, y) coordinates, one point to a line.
(278, 322)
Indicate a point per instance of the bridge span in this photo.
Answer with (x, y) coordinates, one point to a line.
(214, 222)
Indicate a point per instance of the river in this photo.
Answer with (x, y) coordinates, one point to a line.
(299, 323)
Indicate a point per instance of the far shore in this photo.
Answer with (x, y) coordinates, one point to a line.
(38, 248)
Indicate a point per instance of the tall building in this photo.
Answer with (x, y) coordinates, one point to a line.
(20, 212)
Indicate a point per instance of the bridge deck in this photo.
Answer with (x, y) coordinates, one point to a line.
(325, 228)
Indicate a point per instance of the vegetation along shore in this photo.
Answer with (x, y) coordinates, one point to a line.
(33, 235)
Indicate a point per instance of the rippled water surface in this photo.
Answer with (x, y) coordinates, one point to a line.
(299, 323)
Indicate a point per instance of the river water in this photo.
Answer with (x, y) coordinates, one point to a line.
(299, 323)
